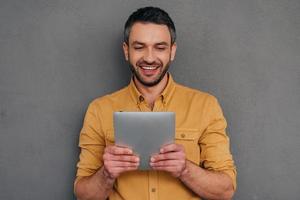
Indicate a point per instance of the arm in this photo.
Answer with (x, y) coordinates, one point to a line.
(98, 186)
(99, 165)
(205, 183)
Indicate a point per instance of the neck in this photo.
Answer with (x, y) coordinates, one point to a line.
(152, 93)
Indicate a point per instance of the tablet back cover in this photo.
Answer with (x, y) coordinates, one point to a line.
(144, 132)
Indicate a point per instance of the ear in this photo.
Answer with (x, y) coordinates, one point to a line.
(173, 51)
(125, 50)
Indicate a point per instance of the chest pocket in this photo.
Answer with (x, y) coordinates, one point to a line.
(189, 139)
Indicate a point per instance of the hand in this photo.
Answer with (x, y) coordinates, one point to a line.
(171, 159)
(118, 160)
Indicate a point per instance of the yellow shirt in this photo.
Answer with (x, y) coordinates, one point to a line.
(200, 128)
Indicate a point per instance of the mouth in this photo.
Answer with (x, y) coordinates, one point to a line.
(149, 67)
(149, 70)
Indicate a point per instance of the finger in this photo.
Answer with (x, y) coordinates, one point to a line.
(118, 170)
(168, 156)
(113, 164)
(126, 158)
(171, 147)
(170, 163)
(117, 150)
(171, 169)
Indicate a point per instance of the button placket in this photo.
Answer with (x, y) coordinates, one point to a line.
(153, 185)
(158, 106)
(143, 106)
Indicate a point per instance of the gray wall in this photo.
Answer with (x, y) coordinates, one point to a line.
(56, 56)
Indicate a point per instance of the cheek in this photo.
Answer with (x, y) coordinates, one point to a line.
(165, 58)
(134, 57)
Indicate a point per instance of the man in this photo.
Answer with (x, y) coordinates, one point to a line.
(199, 163)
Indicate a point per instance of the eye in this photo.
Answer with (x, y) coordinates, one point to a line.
(161, 48)
(138, 47)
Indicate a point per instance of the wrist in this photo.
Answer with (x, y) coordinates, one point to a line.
(184, 171)
(107, 176)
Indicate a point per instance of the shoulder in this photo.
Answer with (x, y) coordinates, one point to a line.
(109, 100)
(193, 93)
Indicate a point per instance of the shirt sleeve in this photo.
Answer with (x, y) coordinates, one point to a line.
(214, 143)
(91, 143)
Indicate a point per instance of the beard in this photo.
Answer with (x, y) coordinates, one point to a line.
(137, 74)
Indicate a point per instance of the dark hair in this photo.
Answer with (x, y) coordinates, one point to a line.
(150, 15)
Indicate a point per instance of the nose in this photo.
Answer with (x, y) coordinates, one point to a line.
(149, 56)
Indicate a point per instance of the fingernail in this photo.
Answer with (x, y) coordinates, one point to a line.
(161, 150)
(152, 159)
(137, 160)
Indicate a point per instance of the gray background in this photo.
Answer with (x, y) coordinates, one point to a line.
(56, 56)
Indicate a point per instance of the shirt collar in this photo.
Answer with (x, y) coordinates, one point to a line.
(165, 95)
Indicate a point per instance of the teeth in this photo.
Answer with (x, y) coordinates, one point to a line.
(149, 67)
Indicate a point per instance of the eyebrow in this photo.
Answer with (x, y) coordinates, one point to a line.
(141, 43)
(162, 43)
(137, 42)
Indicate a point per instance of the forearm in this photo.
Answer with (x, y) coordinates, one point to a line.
(97, 186)
(207, 184)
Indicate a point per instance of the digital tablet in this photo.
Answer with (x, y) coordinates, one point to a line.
(144, 132)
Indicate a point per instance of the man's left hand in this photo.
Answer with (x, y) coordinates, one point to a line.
(171, 158)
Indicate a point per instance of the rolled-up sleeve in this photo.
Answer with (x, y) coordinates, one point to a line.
(214, 143)
(91, 143)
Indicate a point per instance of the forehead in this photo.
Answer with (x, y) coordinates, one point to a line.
(149, 33)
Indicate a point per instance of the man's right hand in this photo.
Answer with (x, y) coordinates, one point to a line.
(118, 160)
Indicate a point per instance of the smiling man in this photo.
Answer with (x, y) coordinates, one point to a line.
(198, 165)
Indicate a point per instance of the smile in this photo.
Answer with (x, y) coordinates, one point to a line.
(149, 67)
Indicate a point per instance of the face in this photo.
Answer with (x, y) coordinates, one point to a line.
(149, 52)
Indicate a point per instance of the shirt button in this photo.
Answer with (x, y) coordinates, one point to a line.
(182, 135)
(153, 190)
(141, 98)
